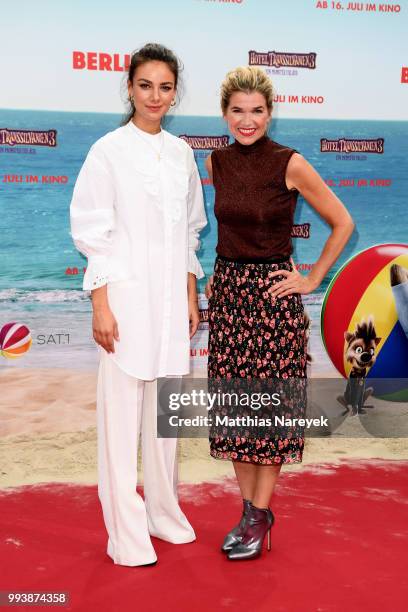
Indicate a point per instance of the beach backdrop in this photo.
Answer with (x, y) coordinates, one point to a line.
(41, 271)
(340, 76)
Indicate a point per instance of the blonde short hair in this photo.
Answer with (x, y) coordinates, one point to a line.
(247, 79)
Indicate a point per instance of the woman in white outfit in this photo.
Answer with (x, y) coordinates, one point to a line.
(136, 213)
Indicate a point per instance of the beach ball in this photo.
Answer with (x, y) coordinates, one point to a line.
(361, 289)
(15, 340)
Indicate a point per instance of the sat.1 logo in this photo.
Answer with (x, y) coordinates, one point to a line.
(15, 340)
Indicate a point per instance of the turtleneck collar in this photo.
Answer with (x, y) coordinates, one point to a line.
(255, 146)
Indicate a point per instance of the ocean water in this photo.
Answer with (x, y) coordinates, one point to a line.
(36, 248)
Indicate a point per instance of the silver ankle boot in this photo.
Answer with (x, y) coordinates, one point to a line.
(258, 524)
(235, 535)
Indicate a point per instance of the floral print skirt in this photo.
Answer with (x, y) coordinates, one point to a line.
(256, 337)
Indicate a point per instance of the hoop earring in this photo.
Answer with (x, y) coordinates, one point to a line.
(173, 102)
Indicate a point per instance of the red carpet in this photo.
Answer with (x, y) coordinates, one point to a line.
(339, 543)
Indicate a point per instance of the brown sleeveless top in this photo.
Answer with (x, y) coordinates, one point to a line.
(253, 206)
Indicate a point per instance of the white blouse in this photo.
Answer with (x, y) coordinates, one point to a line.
(136, 213)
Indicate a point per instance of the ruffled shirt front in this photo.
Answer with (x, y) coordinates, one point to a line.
(136, 213)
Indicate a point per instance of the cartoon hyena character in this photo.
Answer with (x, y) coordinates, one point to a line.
(360, 352)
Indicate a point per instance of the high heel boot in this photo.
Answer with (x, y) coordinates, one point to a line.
(258, 524)
(235, 535)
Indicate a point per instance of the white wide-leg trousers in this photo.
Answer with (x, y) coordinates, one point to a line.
(126, 411)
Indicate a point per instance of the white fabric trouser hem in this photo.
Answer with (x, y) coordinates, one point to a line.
(126, 410)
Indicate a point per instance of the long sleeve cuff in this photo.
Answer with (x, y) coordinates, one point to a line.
(194, 265)
(96, 274)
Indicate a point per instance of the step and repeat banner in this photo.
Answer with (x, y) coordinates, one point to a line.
(340, 73)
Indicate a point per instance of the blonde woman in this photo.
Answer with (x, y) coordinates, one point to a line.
(256, 316)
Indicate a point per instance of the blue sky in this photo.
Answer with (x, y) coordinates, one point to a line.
(359, 54)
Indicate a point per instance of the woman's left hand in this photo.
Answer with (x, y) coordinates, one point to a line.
(294, 282)
(194, 315)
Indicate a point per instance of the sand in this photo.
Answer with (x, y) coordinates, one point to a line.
(48, 434)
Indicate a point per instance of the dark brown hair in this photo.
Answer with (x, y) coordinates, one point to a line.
(151, 52)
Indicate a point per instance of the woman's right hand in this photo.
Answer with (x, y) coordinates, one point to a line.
(105, 328)
(208, 287)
